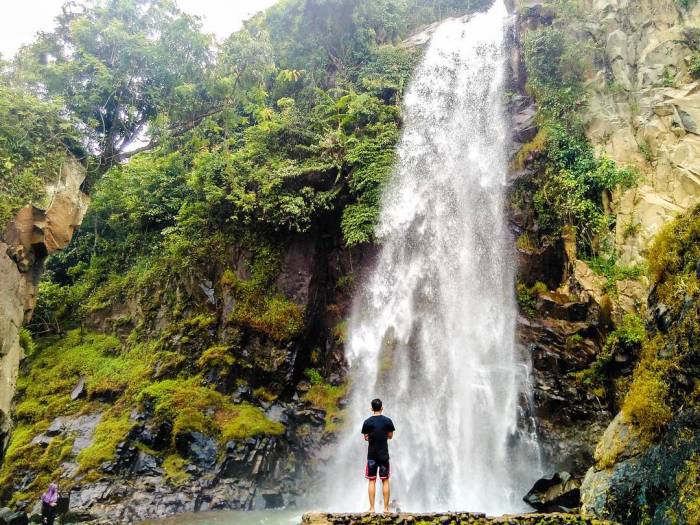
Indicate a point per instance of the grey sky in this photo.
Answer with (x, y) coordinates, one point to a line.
(21, 19)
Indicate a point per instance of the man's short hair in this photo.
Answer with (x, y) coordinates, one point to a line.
(376, 404)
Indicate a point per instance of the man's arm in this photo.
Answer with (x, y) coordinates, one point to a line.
(366, 436)
(390, 435)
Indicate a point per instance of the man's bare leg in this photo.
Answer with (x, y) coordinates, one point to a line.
(385, 494)
(372, 492)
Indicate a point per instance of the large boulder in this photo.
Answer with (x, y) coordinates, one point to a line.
(560, 493)
(10, 517)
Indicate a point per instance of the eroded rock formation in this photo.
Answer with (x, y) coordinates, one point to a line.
(651, 116)
(28, 240)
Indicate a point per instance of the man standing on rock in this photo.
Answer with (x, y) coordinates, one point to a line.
(377, 430)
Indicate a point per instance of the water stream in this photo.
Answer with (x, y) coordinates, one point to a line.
(432, 331)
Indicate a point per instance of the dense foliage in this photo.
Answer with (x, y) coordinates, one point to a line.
(308, 136)
(35, 141)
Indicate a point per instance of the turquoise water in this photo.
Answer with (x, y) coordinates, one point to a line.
(268, 517)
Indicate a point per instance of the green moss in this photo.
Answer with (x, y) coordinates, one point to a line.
(23, 456)
(26, 341)
(526, 242)
(244, 420)
(259, 307)
(656, 392)
(228, 278)
(535, 146)
(173, 467)
(30, 410)
(688, 481)
(110, 431)
(264, 394)
(216, 356)
(647, 402)
(197, 325)
(673, 256)
(168, 364)
(340, 332)
(100, 359)
(328, 397)
(190, 420)
(192, 407)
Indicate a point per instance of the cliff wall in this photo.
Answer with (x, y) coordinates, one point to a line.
(27, 241)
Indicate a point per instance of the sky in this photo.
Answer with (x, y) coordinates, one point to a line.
(22, 19)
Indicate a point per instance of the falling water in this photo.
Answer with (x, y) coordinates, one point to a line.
(432, 331)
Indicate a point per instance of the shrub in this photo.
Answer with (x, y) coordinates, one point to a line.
(276, 316)
(694, 66)
(628, 337)
(314, 376)
(527, 297)
(606, 265)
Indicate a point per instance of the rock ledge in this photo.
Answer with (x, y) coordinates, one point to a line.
(448, 518)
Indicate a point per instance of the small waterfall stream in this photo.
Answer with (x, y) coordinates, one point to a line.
(432, 331)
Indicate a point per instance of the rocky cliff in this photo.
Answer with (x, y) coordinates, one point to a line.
(645, 109)
(27, 241)
(586, 327)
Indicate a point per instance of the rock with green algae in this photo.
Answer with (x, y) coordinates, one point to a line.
(448, 518)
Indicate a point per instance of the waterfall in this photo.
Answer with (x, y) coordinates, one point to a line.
(432, 330)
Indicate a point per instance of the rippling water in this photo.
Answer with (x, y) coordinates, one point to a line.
(270, 517)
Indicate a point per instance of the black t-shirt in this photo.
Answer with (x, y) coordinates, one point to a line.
(377, 428)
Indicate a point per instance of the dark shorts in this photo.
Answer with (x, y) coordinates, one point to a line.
(373, 467)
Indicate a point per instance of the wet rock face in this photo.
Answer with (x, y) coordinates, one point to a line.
(560, 493)
(256, 473)
(200, 449)
(563, 338)
(28, 240)
(643, 481)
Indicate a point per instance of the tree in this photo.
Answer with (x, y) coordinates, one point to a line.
(34, 142)
(129, 70)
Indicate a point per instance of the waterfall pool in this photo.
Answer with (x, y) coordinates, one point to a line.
(264, 517)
